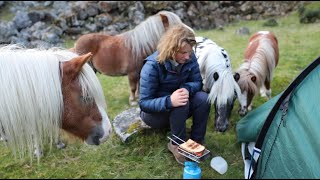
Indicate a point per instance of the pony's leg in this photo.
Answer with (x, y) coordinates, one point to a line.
(2, 131)
(263, 91)
(137, 91)
(133, 82)
(37, 151)
(250, 106)
(268, 89)
(2, 138)
(60, 144)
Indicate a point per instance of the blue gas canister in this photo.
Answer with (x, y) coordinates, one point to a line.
(191, 170)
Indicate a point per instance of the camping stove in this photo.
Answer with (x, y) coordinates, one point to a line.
(206, 153)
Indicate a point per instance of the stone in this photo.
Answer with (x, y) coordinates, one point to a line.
(128, 123)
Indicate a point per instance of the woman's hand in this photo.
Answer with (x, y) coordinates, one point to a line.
(179, 97)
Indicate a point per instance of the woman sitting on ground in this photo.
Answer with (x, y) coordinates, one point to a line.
(171, 89)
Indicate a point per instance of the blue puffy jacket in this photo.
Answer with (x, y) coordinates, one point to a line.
(159, 81)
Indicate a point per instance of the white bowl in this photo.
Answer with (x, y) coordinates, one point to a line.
(219, 164)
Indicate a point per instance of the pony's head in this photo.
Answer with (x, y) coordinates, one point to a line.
(45, 90)
(143, 39)
(249, 88)
(84, 106)
(169, 19)
(223, 108)
(218, 80)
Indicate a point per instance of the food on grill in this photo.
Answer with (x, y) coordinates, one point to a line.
(192, 147)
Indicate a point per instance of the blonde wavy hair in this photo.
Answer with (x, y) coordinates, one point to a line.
(171, 42)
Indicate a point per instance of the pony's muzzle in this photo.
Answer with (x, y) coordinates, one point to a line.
(242, 111)
(95, 136)
(106, 136)
(106, 126)
(99, 134)
(222, 126)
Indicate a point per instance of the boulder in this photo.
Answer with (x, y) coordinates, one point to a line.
(128, 122)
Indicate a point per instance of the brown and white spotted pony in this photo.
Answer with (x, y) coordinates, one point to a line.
(123, 54)
(256, 73)
(218, 80)
(44, 91)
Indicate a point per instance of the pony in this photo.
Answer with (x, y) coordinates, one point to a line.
(218, 79)
(123, 54)
(44, 91)
(261, 57)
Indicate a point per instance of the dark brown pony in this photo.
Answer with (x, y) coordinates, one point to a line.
(45, 90)
(123, 54)
(260, 59)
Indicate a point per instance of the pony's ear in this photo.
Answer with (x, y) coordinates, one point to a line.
(215, 76)
(253, 79)
(165, 21)
(236, 77)
(74, 66)
(80, 61)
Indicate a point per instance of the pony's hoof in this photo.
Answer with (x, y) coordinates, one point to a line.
(133, 103)
(263, 95)
(60, 145)
(38, 153)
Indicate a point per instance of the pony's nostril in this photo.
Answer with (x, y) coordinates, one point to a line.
(221, 129)
(243, 113)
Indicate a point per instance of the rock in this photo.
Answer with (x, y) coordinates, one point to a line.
(243, 31)
(128, 123)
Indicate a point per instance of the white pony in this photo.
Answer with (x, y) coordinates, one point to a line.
(218, 79)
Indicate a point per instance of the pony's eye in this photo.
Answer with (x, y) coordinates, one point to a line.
(215, 76)
(224, 55)
(235, 96)
(82, 99)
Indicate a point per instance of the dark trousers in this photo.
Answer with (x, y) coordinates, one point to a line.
(198, 107)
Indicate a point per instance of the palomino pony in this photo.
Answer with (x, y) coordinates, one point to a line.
(260, 59)
(45, 90)
(123, 54)
(218, 80)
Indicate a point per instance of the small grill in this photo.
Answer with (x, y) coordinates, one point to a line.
(206, 153)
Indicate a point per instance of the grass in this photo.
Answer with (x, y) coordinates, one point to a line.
(146, 156)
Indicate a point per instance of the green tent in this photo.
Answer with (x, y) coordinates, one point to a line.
(281, 138)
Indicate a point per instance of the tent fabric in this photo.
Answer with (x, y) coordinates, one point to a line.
(248, 127)
(291, 146)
